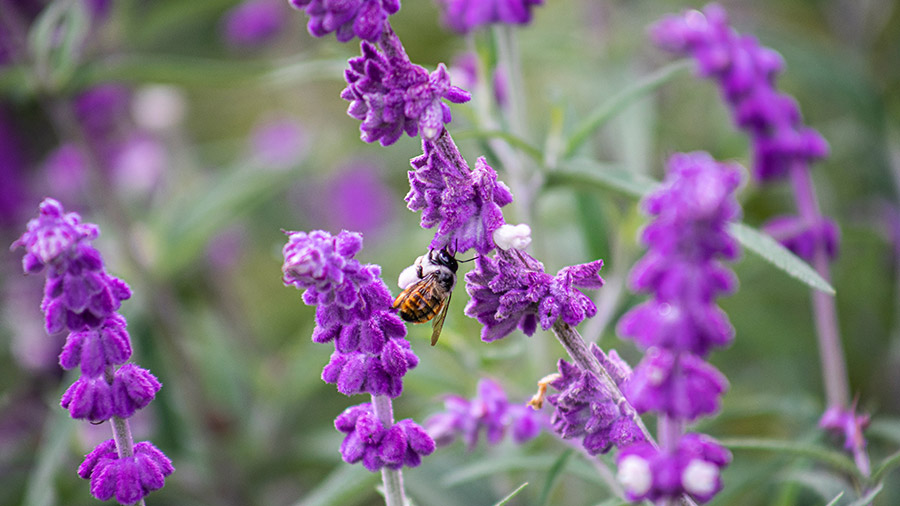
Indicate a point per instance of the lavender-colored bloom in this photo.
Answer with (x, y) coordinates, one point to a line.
(688, 234)
(693, 468)
(66, 171)
(95, 399)
(128, 479)
(512, 290)
(746, 73)
(102, 109)
(377, 446)
(359, 199)
(489, 412)
(347, 18)
(464, 16)
(846, 423)
(354, 311)
(803, 238)
(464, 205)
(95, 348)
(253, 22)
(584, 408)
(280, 143)
(391, 95)
(682, 386)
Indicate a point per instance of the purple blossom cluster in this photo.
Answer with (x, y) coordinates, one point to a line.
(511, 290)
(377, 446)
(586, 408)
(347, 18)
(81, 298)
(463, 204)
(354, 311)
(464, 16)
(746, 73)
(253, 22)
(391, 95)
(489, 412)
(681, 324)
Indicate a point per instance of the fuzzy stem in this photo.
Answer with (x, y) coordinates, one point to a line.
(121, 430)
(392, 479)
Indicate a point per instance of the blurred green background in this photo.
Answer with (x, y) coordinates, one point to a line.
(242, 412)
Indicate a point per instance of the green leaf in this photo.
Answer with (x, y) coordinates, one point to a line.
(346, 485)
(779, 256)
(171, 69)
(513, 140)
(869, 497)
(832, 458)
(292, 73)
(55, 41)
(588, 173)
(886, 466)
(511, 494)
(483, 468)
(607, 110)
(834, 501)
(554, 474)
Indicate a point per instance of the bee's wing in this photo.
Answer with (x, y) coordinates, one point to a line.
(438, 324)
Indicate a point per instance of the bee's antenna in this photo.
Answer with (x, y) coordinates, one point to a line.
(476, 257)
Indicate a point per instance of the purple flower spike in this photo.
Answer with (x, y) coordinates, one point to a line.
(347, 18)
(694, 468)
(52, 236)
(89, 399)
(132, 389)
(488, 412)
(390, 95)
(803, 238)
(253, 22)
(512, 290)
(324, 266)
(584, 409)
(746, 73)
(464, 16)
(367, 440)
(128, 479)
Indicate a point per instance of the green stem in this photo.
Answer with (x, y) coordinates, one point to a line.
(392, 479)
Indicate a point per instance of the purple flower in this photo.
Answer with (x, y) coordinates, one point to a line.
(253, 22)
(95, 399)
(354, 310)
(347, 18)
(464, 205)
(584, 408)
(464, 16)
(803, 238)
(377, 446)
(95, 348)
(512, 290)
(847, 423)
(746, 73)
(128, 479)
(488, 412)
(390, 95)
(689, 233)
(682, 385)
(66, 171)
(694, 468)
(280, 143)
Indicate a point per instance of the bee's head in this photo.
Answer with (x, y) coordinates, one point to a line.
(443, 257)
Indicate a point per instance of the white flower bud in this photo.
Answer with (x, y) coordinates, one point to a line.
(634, 474)
(700, 477)
(513, 236)
(158, 107)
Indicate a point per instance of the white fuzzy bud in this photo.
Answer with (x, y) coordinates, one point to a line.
(158, 107)
(513, 236)
(700, 477)
(634, 474)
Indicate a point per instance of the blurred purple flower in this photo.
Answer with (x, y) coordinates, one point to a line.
(138, 164)
(465, 205)
(128, 479)
(584, 407)
(746, 73)
(359, 200)
(390, 95)
(846, 423)
(490, 412)
(347, 18)
(377, 446)
(66, 172)
(354, 310)
(279, 143)
(512, 290)
(253, 22)
(694, 468)
(803, 238)
(464, 16)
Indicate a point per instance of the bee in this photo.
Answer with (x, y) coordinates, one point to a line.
(427, 287)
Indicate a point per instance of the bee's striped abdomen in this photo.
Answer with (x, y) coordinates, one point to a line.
(418, 303)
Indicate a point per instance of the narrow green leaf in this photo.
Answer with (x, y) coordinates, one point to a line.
(588, 173)
(513, 140)
(488, 467)
(832, 458)
(886, 466)
(293, 73)
(554, 474)
(607, 110)
(779, 256)
(867, 499)
(834, 501)
(55, 41)
(171, 69)
(346, 485)
(512, 494)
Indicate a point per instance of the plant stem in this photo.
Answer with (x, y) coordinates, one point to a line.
(121, 430)
(392, 479)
